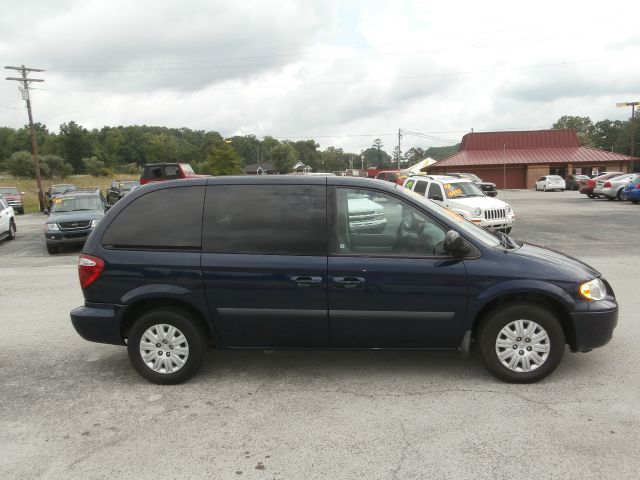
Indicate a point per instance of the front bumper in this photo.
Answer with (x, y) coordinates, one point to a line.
(62, 237)
(594, 328)
(495, 224)
(99, 323)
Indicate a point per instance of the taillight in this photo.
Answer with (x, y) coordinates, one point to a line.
(89, 269)
(638, 186)
(607, 184)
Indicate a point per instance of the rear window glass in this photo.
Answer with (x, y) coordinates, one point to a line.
(265, 219)
(168, 171)
(170, 218)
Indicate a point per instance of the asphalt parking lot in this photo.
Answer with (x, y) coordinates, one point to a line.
(73, 409)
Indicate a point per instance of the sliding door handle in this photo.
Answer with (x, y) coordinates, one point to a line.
(306, 280)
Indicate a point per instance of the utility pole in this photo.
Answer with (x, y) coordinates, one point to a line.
(24, 88)
(633, 106)
(399, 150)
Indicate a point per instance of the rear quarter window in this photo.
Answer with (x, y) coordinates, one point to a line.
(169, 218)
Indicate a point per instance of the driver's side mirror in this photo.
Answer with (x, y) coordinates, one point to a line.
(455, 244)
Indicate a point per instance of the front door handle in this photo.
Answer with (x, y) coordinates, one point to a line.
(306, 280)
(348, 282)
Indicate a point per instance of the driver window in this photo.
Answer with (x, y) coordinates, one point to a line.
(376, 224)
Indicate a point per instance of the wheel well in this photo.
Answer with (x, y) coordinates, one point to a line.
(554, 306)
(135, 310)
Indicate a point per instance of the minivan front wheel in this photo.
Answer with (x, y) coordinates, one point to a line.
(166, 347)
(521, 343)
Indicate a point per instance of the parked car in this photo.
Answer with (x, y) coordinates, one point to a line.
(55, 191)
(158, 172)
(119, 189)
(13, 197)
(465, 198)
(575, 181)
(72, 218)
(549, 183)
(612, 188)
(631, 190)
(394, 176)
(7, 220)
(589, 185)
(487, 188)
(365, 215)
(233, 275)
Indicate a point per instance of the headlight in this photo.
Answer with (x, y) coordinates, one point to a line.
(94, 223)
(508, 208)
(51, 227)
(594, 290)
(477, 212)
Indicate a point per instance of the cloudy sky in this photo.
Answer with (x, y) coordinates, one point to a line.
(342, 72)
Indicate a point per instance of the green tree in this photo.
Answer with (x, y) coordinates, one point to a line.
(414, 155)
(77, 144)
(161, 148)
(56, 165)
(583, 126)
(95, 167)
(222, 160)
(284, 157)
(21, 164)
(335, 160)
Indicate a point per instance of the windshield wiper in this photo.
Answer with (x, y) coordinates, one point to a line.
(60, 211)
(81, 209)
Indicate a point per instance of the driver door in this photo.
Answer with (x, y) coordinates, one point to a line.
(391, 285)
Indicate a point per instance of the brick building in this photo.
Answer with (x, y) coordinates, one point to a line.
(518, 159)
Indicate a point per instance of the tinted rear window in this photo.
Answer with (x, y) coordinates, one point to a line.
(167, 218)
(265, 219)
(169, 171)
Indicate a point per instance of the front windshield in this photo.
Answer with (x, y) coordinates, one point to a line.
(62, 188)
(462, 190)
(76, 204)
(464, 226)
(472, 177)
(9, 191)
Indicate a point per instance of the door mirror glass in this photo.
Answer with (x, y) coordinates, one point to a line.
(455, 244)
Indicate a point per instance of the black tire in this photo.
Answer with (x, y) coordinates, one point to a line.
(496, 320)
(508, 230)
(619, 195)
(591, 196)
(21, 211)
(611, 198)
(12, 231)
(191, 330)
(52, 249)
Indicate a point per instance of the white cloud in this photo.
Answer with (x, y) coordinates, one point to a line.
(320, 68)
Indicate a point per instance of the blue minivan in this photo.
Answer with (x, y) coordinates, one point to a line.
(283, 262)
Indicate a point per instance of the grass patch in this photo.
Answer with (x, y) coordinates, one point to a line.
(28, 186)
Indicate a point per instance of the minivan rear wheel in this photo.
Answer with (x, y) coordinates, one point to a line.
(521, 343)
(165, 346)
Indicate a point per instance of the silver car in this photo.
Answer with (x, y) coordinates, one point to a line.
(613, 187)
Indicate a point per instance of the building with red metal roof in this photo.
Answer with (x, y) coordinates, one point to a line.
(518, 159)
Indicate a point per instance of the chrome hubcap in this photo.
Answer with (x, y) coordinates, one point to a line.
(523, 346)
(164, 349)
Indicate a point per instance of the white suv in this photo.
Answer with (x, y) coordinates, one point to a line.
(464, 198)
(7, 220)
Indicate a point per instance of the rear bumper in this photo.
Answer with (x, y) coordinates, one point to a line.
(594, 328)
(586, 190)
(98, 323)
